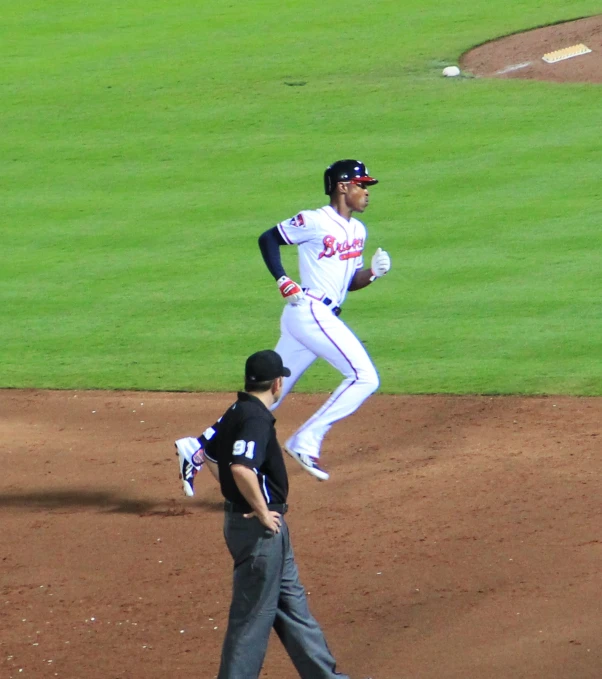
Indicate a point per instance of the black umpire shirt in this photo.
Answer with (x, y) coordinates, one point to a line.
(245, 435)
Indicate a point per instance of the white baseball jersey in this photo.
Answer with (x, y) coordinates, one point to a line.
(330, 249)
(330, 252)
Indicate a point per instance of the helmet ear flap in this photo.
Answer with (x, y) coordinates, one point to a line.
(327, 182)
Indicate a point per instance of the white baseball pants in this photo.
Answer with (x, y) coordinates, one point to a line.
(308, 331)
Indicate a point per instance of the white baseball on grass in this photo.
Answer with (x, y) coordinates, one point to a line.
(451, 71)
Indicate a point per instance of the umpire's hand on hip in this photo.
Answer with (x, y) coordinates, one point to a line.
(271, 520)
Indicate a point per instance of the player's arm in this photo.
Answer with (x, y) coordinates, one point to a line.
(269, 244)
(380, 264)
(361, 279)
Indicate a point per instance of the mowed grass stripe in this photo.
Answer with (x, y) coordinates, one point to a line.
(147, 146)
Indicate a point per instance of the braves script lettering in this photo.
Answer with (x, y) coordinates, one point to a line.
(345, 250)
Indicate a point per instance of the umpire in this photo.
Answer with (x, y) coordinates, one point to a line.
(266, 590)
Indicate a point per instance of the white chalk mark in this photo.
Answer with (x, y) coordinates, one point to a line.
(515, 67)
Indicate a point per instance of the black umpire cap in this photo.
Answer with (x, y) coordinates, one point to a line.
(346, 171)
(264, 366)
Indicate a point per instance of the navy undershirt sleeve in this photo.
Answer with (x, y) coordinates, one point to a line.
(269, 244)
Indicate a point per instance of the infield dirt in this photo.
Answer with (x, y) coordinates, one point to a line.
(457, 538)
(521, 55)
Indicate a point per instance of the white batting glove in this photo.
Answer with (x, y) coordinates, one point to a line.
(381, 263)
(291, 292)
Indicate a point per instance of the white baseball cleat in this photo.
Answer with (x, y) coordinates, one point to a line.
(190, 460)
(309, 463)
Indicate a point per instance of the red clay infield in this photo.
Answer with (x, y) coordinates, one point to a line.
(521, 55)
(457, 538)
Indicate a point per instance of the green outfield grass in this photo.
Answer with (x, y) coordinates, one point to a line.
(146, 145)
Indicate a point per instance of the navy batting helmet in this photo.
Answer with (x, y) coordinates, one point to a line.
(346, 171)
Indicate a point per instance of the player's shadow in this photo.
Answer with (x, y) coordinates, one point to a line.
(102, 500)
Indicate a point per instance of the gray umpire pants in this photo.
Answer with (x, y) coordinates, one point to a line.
(267, 593)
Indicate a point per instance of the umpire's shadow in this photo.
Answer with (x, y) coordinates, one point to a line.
(106, 501)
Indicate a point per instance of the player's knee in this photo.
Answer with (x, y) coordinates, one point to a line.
(370, 380)
(374, 382)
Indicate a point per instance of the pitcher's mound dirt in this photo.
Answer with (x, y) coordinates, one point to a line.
(520, 55)
(458, 538)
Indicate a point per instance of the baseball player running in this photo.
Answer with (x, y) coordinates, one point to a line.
(330, 246)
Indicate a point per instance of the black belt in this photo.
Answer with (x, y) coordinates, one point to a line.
(241, 509)
(336, 310)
